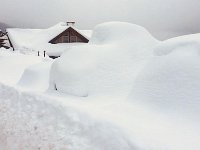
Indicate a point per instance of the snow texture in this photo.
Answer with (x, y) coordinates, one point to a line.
(171, 79)
(123, 91)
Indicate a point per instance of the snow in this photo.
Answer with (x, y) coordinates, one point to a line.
(46, 124)
(55, 49)
(44, 121)
(12, 65)
(108, 65)
(122, 91)
(169, 84)
(21, 38)
(36, 77)
(171, 79)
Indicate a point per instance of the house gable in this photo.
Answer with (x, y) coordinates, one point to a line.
(70, 35)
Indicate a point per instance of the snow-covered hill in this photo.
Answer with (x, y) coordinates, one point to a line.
(124, 91)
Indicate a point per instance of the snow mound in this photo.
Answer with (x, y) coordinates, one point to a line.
(36, 77)
(107, 33)
(185, 42)
(171, 81)
(108, 65)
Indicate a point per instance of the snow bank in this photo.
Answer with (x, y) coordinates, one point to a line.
(36, 77)
(186, 42)
(109, 64)
(123, 33)
(171, 80)
(30, 121)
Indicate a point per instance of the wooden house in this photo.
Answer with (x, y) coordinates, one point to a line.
(54, 40)
(70, 35)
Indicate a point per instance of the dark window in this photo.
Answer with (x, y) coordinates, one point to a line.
(65, 39)
(73, 39)
(79, 40)
(59, 40)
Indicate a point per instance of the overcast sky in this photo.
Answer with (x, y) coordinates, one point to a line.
(163, 18)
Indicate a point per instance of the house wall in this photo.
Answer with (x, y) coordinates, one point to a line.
(70, 36)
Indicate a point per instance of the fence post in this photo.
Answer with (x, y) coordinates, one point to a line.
(38, 53)
(44, 53)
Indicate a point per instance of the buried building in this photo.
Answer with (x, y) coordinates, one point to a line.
(54, 40)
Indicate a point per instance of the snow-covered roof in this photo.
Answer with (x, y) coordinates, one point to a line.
(39, 38)
(21, 37)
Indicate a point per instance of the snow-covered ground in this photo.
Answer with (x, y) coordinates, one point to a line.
(124, 91)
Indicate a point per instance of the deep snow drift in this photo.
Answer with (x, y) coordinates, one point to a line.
(108, 65)
(30, 121)
(36, 77)
(171, 78)
(153, 101)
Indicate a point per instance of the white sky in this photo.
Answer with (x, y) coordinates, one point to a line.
(163, 18)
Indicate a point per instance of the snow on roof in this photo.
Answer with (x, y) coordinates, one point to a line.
(39, 38)
(86, 33)
(21, 37)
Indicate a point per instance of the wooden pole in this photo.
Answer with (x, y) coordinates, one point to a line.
(44, 53)
(38, 53)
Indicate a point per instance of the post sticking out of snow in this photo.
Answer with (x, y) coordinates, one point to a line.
(44, 53)
(38, 53)
(71, 23)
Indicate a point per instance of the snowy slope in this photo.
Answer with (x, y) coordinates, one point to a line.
(46, 123)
